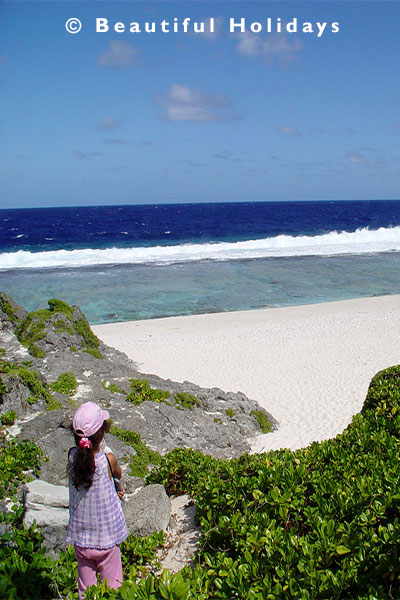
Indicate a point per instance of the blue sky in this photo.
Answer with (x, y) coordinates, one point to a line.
(136, 118)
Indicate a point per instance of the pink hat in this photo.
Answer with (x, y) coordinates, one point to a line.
(88, 419)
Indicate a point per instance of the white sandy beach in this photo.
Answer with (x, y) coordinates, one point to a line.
(309, 366)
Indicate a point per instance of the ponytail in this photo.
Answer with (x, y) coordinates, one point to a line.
(83, 466)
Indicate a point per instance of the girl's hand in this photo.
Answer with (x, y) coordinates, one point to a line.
(121, 493)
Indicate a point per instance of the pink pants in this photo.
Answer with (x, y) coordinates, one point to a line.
(107, 562)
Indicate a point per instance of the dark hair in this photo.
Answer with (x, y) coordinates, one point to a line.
(82, 467)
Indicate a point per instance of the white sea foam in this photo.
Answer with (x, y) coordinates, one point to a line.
(361, 241)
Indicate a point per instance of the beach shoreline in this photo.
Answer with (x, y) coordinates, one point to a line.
(309, 366)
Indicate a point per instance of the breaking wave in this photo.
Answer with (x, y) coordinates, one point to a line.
(361, 241)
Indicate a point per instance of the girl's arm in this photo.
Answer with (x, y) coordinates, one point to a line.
(116, 469)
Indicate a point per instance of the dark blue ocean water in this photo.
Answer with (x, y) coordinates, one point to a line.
(98, 227)
(133, 262)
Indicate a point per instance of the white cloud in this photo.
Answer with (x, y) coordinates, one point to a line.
(275, 47)
(192, 104)
(107, 123)
(288, 130)
(119, 54)
(366, 157)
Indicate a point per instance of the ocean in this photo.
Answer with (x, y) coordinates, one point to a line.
(121, 263)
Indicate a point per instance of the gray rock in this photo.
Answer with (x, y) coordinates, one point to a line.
(47, 506)
(42, 493)
(148, 510)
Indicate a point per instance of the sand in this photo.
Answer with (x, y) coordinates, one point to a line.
(309, 366)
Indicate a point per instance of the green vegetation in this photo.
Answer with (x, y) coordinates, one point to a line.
(322, 522)
(139, 464)
(186, 400)
(16, 458)
(3, 387)
(8, 418)
(218, 420)
(7, 308)
(33, 328)
(31, 379)
(61, 325)
(91, 342)
(230, 413)
(142, 391)
(319, 523)
(2, 351)
(111, 387)
(262, 420)
(66, 384)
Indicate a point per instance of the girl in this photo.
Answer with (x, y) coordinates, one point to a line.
(96, 522)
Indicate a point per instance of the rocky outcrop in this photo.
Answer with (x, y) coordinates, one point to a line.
(37, 348)
(147, 510)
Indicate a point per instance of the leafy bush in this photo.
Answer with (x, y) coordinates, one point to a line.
(90, 341)
(66, 384)
(230, 413)
(262, 420)
(7, 307)
(322, 522)
(186, 400)
(16, 459)
(142, 391)
(29, 378)
(113, 388)
(8, 418)
(139, 464)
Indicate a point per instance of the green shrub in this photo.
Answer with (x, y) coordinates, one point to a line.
(322, 522)
(66, 384)
(90, 341)
(8, 418)
(8, 309)
(2, 351)
(186, 400)
(139, 464)
(113, 388)
(16, 458)
(62, 326)
(141, 391)
(33, 382)
(230, 413)
(58, 306)
(262, 420)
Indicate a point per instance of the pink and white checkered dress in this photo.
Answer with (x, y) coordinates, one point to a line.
(96, 519)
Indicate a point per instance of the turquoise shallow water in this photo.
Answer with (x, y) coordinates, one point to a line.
(129, 292)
